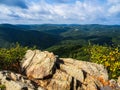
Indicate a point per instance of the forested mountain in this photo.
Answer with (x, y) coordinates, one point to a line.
(98, 34)
(46, 35)
(10, 34)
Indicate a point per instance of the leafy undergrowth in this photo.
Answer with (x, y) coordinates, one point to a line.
(107, 56)
(2, 87)
(10, 58)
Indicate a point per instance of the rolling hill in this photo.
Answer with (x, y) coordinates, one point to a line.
(10, 34)
(47, 35)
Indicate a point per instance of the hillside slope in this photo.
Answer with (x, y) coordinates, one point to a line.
(11, 34)
(47, 35)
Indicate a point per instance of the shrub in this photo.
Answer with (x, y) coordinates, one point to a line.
(10, 58)
(109, 57)
(2, 87)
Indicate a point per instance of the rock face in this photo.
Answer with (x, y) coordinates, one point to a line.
(14, 81)
(45, 71)
(54, 73)
(39, 65)
(118, 81)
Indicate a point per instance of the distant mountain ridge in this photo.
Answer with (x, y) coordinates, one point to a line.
(11, 34)
(47, 35)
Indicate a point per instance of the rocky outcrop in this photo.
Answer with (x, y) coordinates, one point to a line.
(45, 71)
(53, 73)
(14, 81)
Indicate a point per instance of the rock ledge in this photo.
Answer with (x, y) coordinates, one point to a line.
(49, 72)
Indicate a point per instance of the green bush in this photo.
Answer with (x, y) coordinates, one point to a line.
(108, 56)
(2, 87)
(10, 58)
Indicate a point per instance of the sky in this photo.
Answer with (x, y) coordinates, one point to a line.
(60, 12)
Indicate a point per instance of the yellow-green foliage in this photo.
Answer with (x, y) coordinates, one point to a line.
(109, 57)
(10, 58)
(2, 87)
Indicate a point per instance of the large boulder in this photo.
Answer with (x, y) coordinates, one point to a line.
(53, 73)
(92, 69)
(38, 65)
(90, 75)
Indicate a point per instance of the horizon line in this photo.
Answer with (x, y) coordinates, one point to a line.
(58, 24)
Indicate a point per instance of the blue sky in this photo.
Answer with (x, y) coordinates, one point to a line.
(60, 11)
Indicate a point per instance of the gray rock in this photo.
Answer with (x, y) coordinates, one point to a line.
(90, 68)
(113, 83)
(73, 71)
(60, 81)
(11, 81)
(106, 88)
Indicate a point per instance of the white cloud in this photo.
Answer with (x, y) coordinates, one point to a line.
(78, 12)
(114, 9)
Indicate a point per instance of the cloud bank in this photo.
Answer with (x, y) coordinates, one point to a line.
(60, 11)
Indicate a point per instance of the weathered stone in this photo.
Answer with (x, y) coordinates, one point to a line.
(118, 84)
(90, 68)
(73, 71)
(60, 81)
(118, 81)
(13, 76)
(39, 64)
(113, 83)
(53, 73)
(91, 86)
(91, 83)
(11, 81)
(40, 88)
(106, 88)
